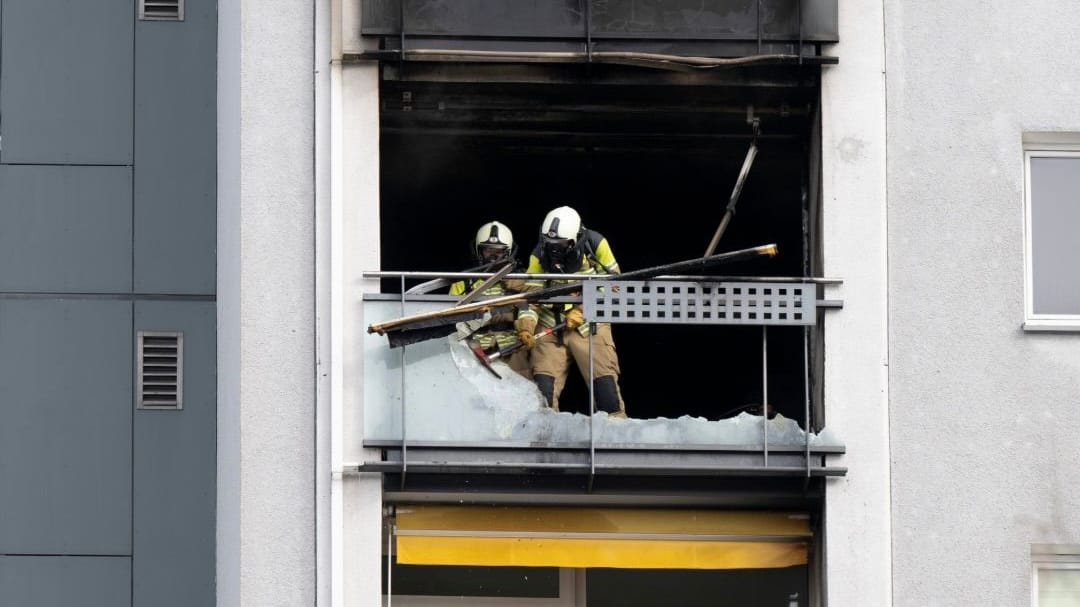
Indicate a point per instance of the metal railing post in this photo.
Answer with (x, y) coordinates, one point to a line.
(592, 419)
(390, 565)
(765, 389)
(404, 440)
(806, 393)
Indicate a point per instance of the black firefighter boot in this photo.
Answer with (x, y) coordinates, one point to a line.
(546, 383)
(606, 393)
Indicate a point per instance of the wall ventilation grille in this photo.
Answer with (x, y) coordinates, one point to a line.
(161, 10)
(160, 370)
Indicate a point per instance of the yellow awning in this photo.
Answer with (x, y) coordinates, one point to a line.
(600, 537)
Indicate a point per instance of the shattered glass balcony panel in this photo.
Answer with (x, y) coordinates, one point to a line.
(451, 399)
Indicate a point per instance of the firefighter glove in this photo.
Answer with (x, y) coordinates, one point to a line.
(574, 319)
(525, 327)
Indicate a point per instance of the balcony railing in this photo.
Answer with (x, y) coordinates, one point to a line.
(431, 407)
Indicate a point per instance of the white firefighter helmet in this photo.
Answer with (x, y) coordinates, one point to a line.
(494, 241)
(561, 223)
(559, 240)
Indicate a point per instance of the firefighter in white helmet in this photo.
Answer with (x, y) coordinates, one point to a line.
(494, 246)
(567, 247)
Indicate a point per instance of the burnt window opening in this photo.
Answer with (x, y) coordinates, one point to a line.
(651, 167)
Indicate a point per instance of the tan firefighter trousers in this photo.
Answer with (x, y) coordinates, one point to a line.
(551, 358)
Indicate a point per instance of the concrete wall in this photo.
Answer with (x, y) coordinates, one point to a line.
(356, 249)
(983, 415)
(857, 529)
(266, 507)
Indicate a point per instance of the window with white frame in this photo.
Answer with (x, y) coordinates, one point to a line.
(1052, 235)
(1055, 575)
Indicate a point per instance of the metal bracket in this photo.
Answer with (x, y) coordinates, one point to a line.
(753, 121)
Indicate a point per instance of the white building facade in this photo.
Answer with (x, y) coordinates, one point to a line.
(952, 398)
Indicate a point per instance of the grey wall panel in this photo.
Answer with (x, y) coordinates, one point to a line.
(63, 581)
(175, 468)
(65, 427)
(65, 229)
(176, 152)
(67, 81)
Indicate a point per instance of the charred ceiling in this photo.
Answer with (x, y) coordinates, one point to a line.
(610, 73)
(599, 116)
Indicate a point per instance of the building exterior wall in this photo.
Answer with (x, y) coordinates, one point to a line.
(266, 537)
(857, 526)
(894, 390)
(107, 181)
(358, 249)
(958, 424)
(983, 414)
(355, 249)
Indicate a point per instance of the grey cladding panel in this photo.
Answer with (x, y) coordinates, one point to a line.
(626, 19)
(476, 17)
(65, 229)
(65, 427)
(66, 81)
(64, 581)
(821, 20)
(175, 148)
(703, 18)
(175, 469)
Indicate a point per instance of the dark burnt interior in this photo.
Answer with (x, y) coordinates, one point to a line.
(650, 161)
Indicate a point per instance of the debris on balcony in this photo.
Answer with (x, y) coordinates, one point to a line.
(487, 409)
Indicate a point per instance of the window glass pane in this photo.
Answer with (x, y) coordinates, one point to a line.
(1059, 587)
(784, 587)
(454, 580)
(1055, 234)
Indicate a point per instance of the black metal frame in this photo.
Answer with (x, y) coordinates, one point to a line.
(389, 21)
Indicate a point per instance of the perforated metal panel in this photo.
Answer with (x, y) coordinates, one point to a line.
(700, 303)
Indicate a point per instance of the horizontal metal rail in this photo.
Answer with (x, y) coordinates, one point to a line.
(581, 445)
(638, 59)
(595, 469)
(570, 277)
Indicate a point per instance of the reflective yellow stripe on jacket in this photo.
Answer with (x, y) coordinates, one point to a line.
(545, 313)
(486, 339)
